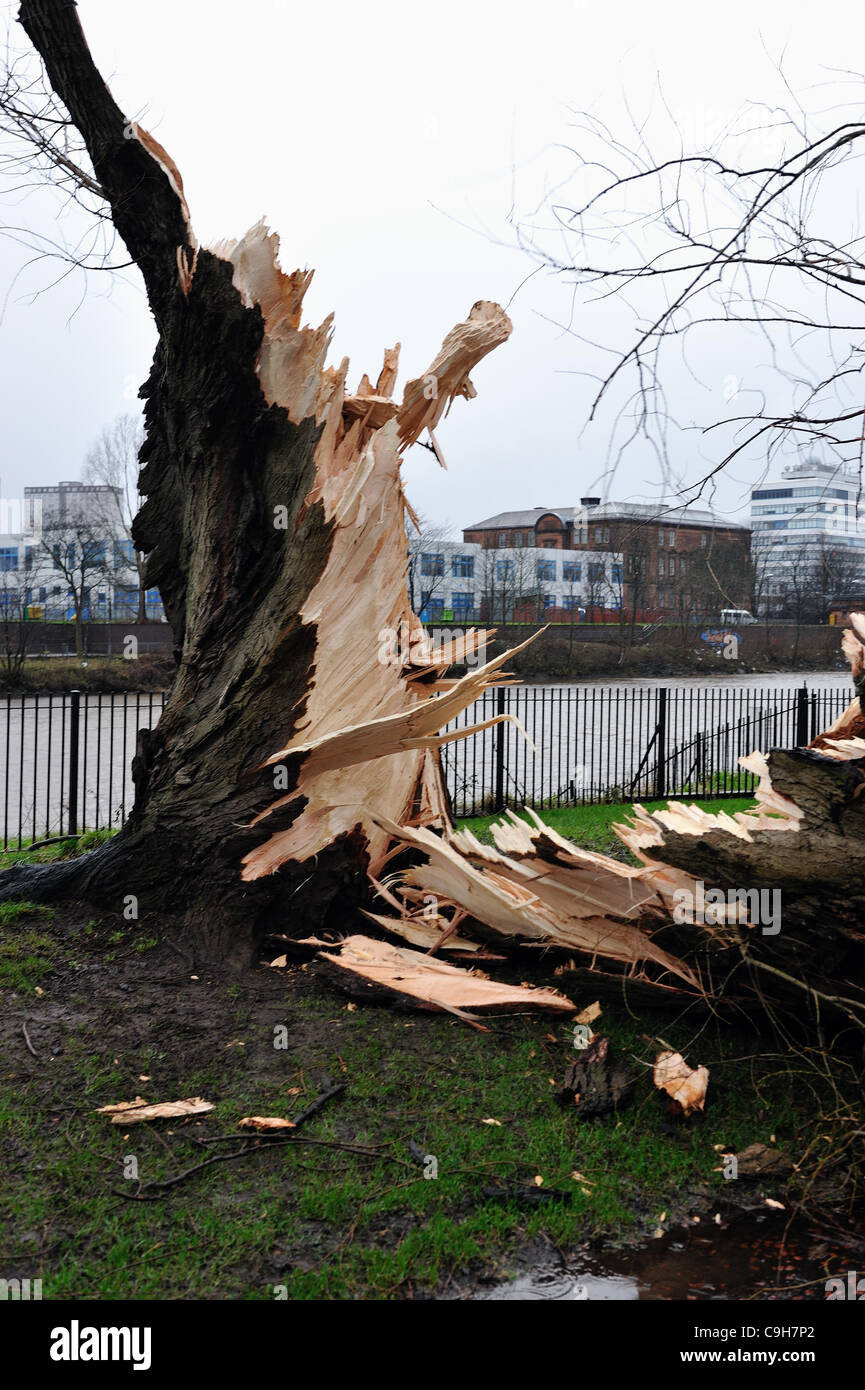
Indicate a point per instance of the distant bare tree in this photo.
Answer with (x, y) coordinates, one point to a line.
(772, 245)
(113, 462)
(426, 580)
(14, 630)
(75, 550)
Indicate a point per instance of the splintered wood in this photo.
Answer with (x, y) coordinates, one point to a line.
(363, 744)
(368, 732)
(133, 1112)
(375, 970)
(547, 891)
(685, 1086)
(702, 885)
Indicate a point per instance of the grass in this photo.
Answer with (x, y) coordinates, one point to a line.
(316, 1220)
(592, 826)
(67, 848)
(325, 1223)
(26, 956)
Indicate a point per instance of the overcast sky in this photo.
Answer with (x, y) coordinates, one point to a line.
(386, 143)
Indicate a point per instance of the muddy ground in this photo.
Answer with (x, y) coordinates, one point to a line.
(348, 1207)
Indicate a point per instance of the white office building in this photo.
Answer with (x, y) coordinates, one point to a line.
(85, 521)
(808, 515)
(465, 581)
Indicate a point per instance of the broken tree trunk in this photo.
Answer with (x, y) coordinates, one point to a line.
(274, 528)
(298, 750)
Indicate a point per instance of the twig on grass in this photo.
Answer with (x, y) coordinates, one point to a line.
(158, 1186)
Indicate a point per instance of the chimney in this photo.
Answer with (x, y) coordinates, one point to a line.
(590, 501)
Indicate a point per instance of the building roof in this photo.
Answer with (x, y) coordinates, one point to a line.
(507, 520)
(661, 512)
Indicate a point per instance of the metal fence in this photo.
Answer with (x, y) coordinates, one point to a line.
(67, 761)
(596, 744)
(66, 764)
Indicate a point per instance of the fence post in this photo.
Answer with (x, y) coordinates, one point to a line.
(801, 716)
(500, 750)
(74, 714)
(661, 769)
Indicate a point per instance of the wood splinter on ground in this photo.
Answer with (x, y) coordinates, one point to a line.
(133, 1112)
(685, 1086)
(375, 970)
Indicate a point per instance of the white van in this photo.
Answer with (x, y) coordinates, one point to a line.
(737, 615)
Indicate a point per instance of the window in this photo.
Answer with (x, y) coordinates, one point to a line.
(463, 566)
(683, 564)
(504, 569)
(672, 567)
(703, 541)
(661, 568)
(8, 557)
(596, 569)
(124, 555)
(502, 539)
(549, 601)
(462, 602)
(616, 573)
(572, 570)
(43, 594)
(432, 565)
(125, 596)
(28, 557)
(599, 534)
(661, 536)
(671, 539)
(606, 535)
(92, 553)
(545, 569)
(571, 601)
(435, 607)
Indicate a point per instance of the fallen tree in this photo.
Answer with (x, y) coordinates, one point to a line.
(764, 907)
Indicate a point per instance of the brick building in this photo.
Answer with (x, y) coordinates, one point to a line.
(672, 559)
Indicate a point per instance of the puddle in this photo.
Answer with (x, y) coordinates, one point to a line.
(758, 1255)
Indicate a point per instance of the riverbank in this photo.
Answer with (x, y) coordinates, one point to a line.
(559, 652)
(113, 1010)
(590, 654)
(54, 675)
